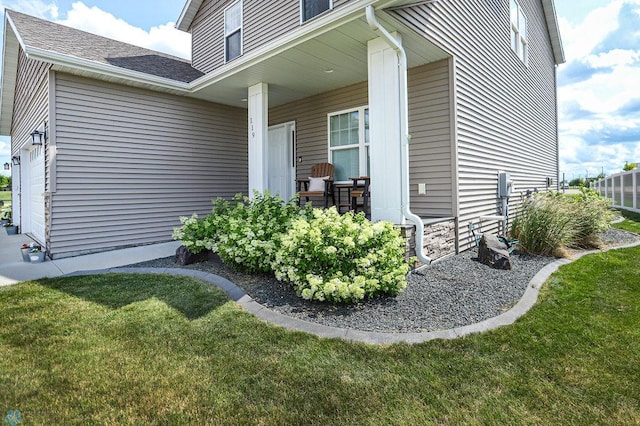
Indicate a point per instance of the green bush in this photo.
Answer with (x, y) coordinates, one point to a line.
(592, 215)
(198, 234)
(550, 221)
(250, 233)
(342, 258)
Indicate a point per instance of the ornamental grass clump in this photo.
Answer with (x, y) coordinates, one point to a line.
(543, 225)
(342, 258)
(592, 215)
(552, 221)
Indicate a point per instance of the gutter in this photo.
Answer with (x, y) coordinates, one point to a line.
(403, 91)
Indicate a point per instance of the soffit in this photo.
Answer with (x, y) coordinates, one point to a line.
(302, 70)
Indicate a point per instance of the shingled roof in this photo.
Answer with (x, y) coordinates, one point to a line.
(48, 36)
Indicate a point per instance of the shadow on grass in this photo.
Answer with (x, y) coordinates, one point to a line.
(630, 215)
(192, 297)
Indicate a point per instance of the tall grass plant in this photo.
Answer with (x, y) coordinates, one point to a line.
(551, 221)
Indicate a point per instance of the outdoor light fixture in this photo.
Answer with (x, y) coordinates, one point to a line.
(15, 160)
(7, 166)
(38, 137)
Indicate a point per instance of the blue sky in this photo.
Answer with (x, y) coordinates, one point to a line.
(598, 86)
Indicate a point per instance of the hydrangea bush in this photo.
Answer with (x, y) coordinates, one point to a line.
(324, 255)
(198, 234)
(251, 233)
(342, 258)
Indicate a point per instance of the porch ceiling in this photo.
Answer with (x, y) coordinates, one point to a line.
(303, 69)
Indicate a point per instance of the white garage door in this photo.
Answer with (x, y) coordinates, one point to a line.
(34, 222)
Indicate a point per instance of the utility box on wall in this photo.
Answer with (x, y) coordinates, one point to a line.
(505, 184)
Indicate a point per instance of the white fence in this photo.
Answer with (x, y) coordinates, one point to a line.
(622, 188)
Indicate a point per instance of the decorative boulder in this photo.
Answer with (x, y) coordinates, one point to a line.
(185, 257)
(493, 252)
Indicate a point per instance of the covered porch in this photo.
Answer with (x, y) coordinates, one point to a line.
(338, 94)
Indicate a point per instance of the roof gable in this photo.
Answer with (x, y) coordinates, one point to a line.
(75, 51)
(189, 12)
(47, 36)
(554, 31)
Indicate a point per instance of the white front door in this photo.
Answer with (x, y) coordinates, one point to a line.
(33, 189)
(281, 160)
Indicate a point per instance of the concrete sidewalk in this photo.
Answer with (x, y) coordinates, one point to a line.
(13, 269)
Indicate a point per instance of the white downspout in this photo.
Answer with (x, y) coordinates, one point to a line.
(404, 131)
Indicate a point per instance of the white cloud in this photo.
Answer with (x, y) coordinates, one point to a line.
(46, 10)
(594, 134)
(164, 38)
(616, 57)
(579, 40)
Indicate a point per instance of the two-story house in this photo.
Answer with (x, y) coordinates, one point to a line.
(431, 99)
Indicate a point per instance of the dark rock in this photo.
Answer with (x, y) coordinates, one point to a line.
(493, 252)
(185, 257)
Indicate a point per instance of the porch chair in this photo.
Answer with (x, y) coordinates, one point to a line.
(318, 184)
(361, 190)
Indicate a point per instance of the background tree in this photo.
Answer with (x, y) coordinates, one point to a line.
(577, 182)
(628, 166)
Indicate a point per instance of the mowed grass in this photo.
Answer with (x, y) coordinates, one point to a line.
(631, 221)
(5, 197)
(158, 349)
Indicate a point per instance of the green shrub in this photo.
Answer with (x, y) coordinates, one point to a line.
(550, 221)
(251, 229)
(543, 225)
(592, 215)
(342, 258)
(198, 234)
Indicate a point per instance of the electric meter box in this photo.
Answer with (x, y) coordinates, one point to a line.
(505, 184)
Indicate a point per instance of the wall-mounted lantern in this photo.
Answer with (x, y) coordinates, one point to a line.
(7, 166)
(15, 160)
(38, 137)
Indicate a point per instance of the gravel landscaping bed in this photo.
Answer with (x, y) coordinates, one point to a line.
(452, 292)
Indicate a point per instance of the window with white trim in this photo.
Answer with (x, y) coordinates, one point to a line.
(519, 42)
(233, 31)
(312, 8)
(349, 143)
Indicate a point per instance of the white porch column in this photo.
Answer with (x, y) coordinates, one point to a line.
(258, 102)
(385, 132)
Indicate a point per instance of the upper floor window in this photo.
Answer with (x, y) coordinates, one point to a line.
(233, 31)
(519, 42)
(313, 8)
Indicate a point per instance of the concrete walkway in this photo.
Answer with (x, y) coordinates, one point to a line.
(13, 269)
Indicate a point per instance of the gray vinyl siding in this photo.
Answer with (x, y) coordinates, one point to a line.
(429, 125)
(130, 162)
(30, 106)
(506, 111)
(430, 150)
(30, 110)
(263, 22)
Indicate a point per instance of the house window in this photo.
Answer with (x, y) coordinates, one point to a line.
(312, 8)
(233, 31)
(519, 32)
(349, 143)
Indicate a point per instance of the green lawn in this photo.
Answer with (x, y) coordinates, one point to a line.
(6, 197)
(148, 349)
(631, 222)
